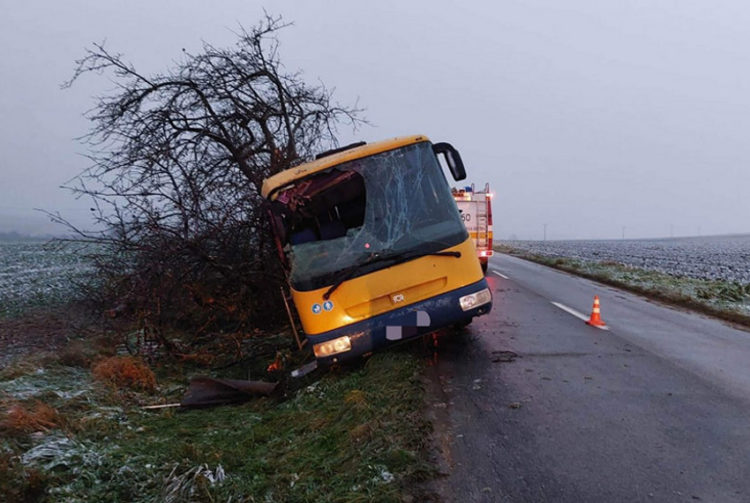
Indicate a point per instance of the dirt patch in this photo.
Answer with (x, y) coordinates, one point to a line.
(436, 410)
(44, 330)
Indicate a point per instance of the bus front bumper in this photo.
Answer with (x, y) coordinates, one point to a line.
(350, 341)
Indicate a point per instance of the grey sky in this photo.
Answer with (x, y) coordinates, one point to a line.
(585, 115)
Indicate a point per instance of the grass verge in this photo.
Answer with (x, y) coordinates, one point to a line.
(726, 300)
(355, 434)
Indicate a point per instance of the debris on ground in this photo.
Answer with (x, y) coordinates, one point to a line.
(305, 369)
(207, 391)
(185, 486)
(503, 356)
(276, 365)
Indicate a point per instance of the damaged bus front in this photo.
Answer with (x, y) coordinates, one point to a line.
(375, 246)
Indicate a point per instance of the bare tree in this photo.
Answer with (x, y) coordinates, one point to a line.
(178, 159)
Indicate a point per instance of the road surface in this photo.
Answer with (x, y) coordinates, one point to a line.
(657, 408)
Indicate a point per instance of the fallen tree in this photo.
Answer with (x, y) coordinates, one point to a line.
(177, 161)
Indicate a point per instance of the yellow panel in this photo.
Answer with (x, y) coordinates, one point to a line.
(387, 302)
(387, 289)
(303, 170)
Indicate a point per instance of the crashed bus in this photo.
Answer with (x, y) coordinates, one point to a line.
(374, 246)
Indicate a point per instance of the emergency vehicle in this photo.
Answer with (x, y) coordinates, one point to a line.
(476, 213)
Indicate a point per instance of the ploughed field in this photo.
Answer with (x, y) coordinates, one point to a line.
(34, 273)
(725, 258)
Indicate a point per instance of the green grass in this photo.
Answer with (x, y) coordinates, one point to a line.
(354, 435)
(724, 299)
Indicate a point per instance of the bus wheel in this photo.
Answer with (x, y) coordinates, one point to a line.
(484, 267)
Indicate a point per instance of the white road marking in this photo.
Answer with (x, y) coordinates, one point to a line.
(572, 311)
(500, 274)
(577, 314)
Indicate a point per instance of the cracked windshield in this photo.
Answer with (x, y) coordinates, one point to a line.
(392, 203)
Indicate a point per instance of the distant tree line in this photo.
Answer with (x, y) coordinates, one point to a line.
(177, 162)
(17, 236)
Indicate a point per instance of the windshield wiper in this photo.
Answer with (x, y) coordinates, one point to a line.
(349, 272)
(456, 254)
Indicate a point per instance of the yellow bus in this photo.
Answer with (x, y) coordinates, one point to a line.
(374, 245)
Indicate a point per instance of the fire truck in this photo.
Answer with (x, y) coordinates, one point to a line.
(476, 213)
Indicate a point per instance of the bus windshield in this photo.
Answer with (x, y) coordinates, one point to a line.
(395, 203)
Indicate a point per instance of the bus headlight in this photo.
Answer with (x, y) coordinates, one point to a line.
(475, 299)
(332, 347)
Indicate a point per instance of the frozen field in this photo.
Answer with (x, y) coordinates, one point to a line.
(33, 273)
(716, 257)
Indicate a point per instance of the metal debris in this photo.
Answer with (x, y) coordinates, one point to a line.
(305, 369)
(503, 356)
(206, 391)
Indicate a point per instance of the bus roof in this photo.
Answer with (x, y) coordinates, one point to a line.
(279, 180)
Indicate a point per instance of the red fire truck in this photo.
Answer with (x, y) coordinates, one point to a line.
(476, 212)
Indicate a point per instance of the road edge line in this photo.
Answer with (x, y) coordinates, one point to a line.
(577, 314)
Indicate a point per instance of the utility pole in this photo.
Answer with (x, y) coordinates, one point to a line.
(671, 230)
(623, 232)
(545, 232)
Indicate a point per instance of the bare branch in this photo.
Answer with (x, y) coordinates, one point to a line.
(177, 162)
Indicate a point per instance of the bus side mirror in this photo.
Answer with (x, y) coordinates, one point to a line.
(452, 159)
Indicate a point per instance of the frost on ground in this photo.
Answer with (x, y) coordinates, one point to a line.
(65, 382)
(350, 436)
(712, 272)
(724, 258)
(34, 273)
(184, 486)
(58, 452)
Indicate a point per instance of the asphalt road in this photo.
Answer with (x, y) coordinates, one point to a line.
(655, 409)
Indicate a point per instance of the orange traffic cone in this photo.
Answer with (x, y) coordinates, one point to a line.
(596, 318)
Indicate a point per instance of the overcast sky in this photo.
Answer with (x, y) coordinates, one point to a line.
(586, 116)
